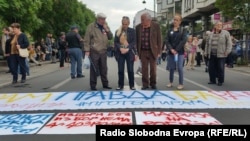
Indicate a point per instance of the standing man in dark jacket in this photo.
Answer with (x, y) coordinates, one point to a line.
(96, 38)
(125, 51)
(149, 44)
(74, 40)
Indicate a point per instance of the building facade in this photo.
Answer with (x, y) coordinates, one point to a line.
(167, 8)
(192, 11)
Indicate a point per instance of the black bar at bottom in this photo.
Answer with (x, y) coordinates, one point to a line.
(190, 132)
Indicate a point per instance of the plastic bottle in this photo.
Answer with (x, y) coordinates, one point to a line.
(176, 57)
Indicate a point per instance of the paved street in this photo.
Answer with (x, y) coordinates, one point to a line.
(50, 78)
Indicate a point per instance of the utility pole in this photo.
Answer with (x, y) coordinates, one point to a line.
(154, 9)
(144, 1)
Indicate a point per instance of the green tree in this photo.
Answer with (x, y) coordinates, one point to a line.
(39, 17)
(24, 12)
(239, 11)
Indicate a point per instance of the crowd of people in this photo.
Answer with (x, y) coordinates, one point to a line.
(144, 44)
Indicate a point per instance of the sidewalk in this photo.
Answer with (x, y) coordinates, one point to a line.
(244, 69)
(46, 67)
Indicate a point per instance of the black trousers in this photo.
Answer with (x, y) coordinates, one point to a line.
(16, 60)
(130, 69)
(216, 69)
(98, 65)
(198, 58)
(229, 60)
(62, 57)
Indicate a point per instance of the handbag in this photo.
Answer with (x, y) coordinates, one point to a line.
(55, 50)
(23, 52)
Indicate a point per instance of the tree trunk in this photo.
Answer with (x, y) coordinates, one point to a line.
(247, 49)
(245, 53)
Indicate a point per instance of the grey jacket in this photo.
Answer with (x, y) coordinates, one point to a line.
(95, 39)
(224, 44)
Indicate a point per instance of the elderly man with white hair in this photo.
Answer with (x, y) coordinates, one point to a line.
(96, 43)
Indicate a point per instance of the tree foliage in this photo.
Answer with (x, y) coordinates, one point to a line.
(39, 17)
(239, 12)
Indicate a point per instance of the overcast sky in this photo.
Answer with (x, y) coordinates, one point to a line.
(115, 9)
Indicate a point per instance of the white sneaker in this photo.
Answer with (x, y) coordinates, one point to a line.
(169, 85)
(180, 87)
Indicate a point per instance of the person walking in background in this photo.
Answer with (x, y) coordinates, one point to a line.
(96, 43)
(74, 40)
(175, 40)
(192, 53)
(198, 57)
(125, 51)
(203, 45)
(19, 40)
(217, 48)
(187, 49)
(149, 47)
(230, 57)
(33, 55)
(8, 47)
(5, 37)
(62, 45)
(48, 43)
(54, 51)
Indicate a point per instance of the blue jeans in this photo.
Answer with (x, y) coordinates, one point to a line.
(172, 67)
(27, 67)
(75, 55)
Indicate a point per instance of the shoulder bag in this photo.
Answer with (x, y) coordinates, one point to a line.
(23, 52)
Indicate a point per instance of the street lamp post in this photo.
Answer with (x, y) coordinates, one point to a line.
(144, 1)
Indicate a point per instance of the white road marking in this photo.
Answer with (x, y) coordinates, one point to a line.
(188, 80)
(61, 83)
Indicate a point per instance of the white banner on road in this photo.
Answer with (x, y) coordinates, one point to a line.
(124, 99)
(174, 118)
(13, 124)
(84, 123)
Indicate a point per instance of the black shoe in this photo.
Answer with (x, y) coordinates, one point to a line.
(14, 82)
(206, 70)
(211, 83)
(107, 87)
(119, 88)
(132, 88)
(153, 87)
(93, 88)
(73, 77)
(144, 88)
(80, 76)
(219, 84)
(22, 81)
